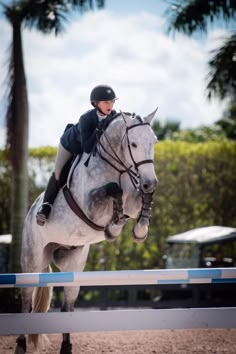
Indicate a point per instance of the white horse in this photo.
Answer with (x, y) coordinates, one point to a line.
(113, 184)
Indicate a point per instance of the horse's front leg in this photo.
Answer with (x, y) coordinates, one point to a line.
(26, 294)
(70, 296)
(140, 230)
(99, 198)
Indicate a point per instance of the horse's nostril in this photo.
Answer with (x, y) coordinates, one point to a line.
(150, 186)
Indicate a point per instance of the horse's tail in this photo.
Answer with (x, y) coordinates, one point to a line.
(41, 300)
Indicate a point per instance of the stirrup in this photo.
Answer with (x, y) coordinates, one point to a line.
(43, 213)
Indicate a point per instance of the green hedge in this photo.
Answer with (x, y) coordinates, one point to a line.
(196, 188)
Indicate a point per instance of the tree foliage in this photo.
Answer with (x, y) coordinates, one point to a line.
(222, 74)
(190, 16)
(228, 122)
(165, 130)
(201, 134)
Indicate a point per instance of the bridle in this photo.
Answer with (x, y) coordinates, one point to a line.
(132, 170)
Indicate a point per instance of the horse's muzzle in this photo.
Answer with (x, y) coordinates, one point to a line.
(149, 186)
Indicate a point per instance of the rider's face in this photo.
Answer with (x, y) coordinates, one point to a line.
(106, 106)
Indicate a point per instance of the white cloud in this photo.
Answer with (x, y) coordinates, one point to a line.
(145, 67)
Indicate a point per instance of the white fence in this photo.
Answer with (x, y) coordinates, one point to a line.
(118, 320)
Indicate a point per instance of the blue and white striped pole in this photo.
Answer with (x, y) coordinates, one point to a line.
(124, 277)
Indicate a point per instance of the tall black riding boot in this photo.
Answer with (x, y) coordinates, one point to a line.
(50, 194)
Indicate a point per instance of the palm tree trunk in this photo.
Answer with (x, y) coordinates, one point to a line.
(17, 120)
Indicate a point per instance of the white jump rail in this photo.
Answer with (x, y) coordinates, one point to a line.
(118, 320)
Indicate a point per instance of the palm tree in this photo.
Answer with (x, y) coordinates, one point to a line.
(46, 16)
(189, 16)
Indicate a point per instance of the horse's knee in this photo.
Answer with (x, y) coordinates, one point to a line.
(70, 296)
(26, 299)
(112, 232)
(109, 190)
(140, 233)
(114, 190)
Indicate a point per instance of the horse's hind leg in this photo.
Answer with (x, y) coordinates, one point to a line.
(26, 299)
(33, 260)
(70, 260)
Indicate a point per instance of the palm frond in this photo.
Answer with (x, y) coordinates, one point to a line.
(51, 15)
(222, 75)
(188, 16)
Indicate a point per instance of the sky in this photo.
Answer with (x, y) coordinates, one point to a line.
(124, 45)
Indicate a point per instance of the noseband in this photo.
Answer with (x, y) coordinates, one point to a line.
(136, 164)
(133, 170)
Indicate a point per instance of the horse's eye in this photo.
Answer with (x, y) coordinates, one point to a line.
(134, 145)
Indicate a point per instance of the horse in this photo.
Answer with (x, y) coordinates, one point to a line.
(102, 192)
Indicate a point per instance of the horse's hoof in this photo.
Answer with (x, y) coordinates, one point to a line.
(21, 346)
(138, 239)
(108, 235)
(19, 350)
(66, 348)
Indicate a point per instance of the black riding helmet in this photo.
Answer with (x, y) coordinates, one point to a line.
(102, 93)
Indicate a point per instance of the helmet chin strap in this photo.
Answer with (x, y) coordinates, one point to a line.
(100, 111)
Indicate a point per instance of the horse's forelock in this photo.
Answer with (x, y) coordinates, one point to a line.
(118, 119)
(139, 118)
(134, 117)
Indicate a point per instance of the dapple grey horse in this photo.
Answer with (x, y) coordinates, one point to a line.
(103, 191)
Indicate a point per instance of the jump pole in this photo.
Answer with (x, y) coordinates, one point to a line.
(122, 277)
(117, 320)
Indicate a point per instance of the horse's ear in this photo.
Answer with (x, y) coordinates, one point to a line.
(150, 117)
(126, 118)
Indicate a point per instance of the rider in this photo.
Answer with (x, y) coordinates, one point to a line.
(78, 138)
